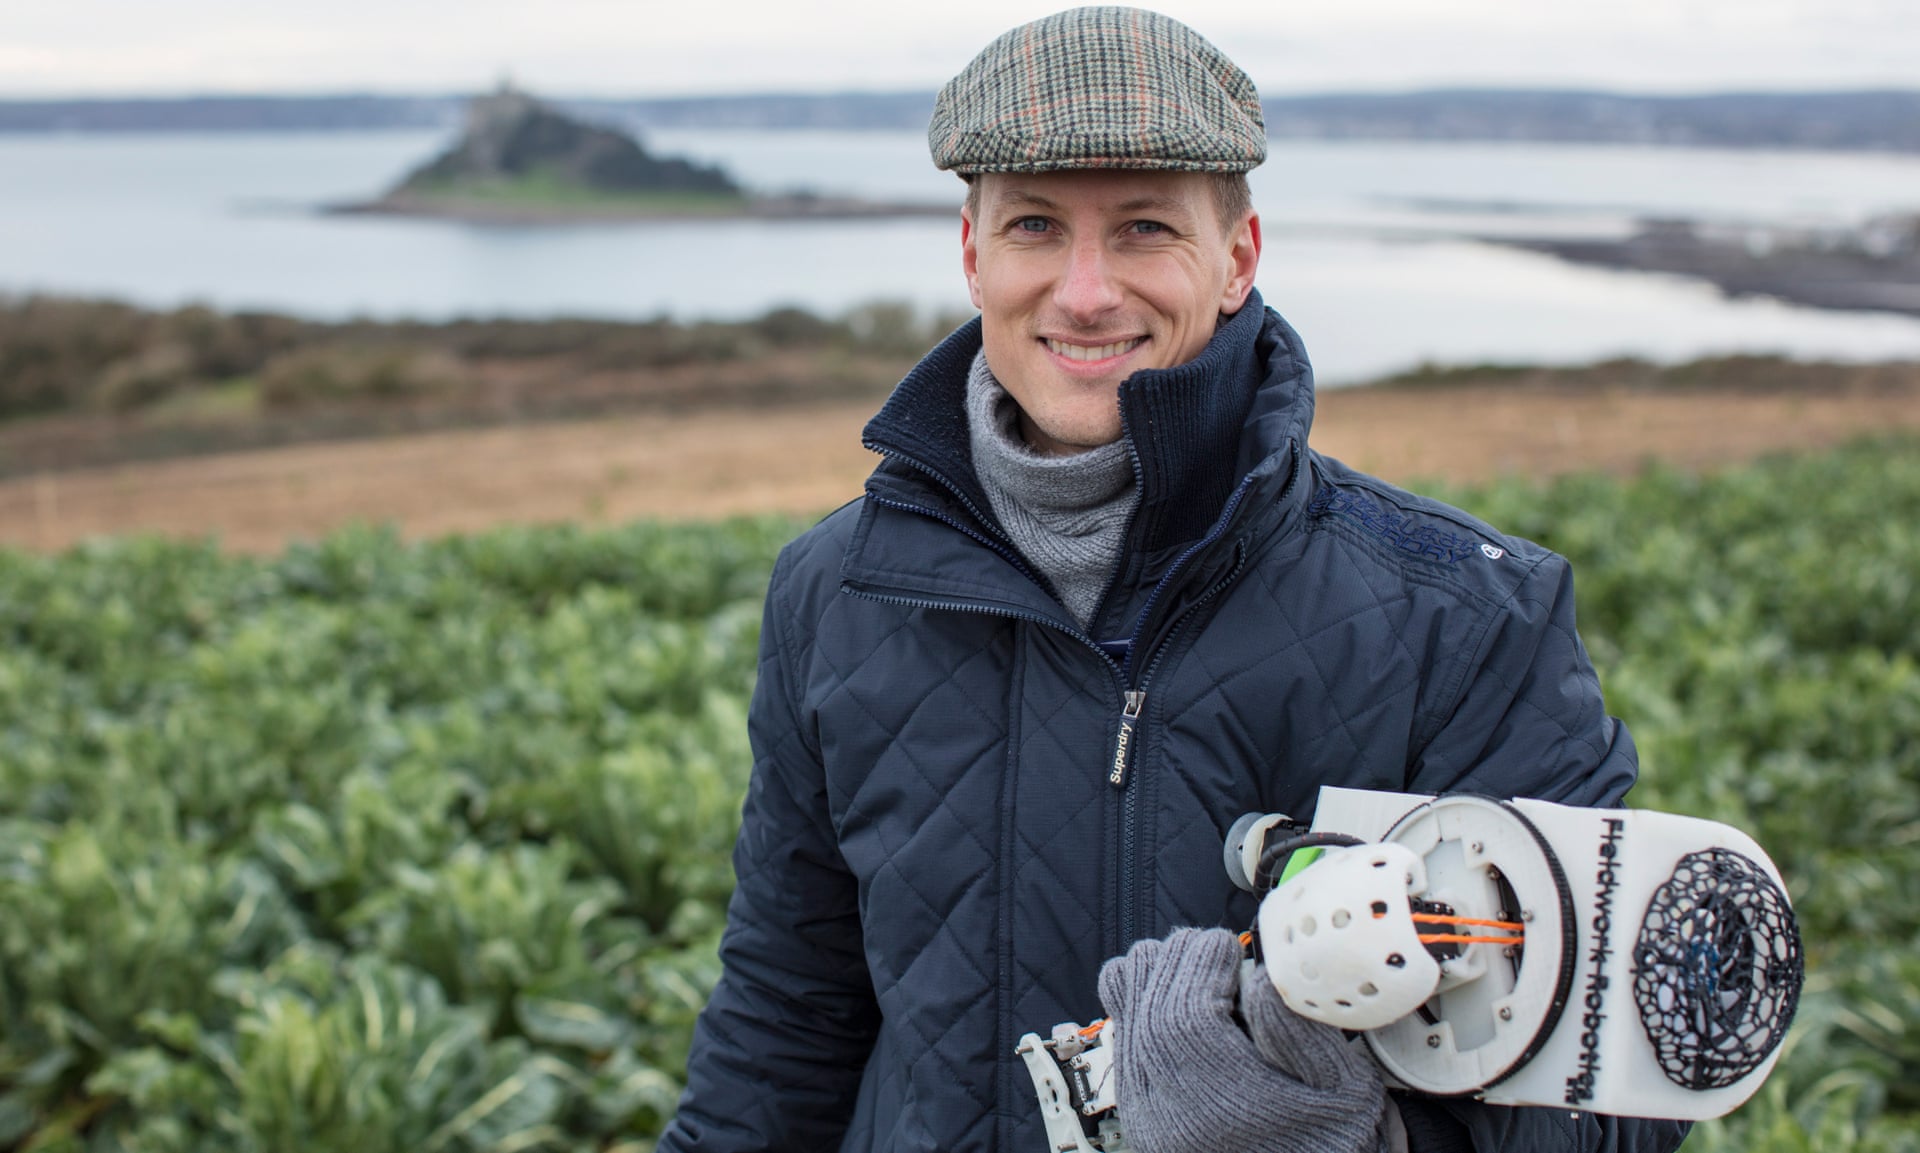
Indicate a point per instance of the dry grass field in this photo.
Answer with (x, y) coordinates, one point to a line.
(743, 458)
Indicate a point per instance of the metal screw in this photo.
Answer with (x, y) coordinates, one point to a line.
(1433, 1040)
(1526, 914)
(1506, 1013)
(1479, 848)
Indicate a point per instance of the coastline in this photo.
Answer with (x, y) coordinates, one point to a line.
(1860, 270)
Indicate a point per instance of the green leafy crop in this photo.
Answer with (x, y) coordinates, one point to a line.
(386, 846)
(372, 846)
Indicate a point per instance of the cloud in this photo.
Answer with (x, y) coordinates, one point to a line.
(628, 47)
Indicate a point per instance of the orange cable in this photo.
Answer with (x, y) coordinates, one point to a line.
(1443, 919)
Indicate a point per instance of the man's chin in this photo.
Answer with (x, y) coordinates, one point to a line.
(1070, 437)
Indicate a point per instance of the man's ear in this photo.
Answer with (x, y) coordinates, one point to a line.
(1243, 263)
(970, 255)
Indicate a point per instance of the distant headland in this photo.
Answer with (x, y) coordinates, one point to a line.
(1874, 266)
(522, 161)
(1862, 120)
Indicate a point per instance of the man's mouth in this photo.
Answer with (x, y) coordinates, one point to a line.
(1093, 351)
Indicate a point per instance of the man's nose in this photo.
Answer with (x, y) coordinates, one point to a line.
(1088, 286)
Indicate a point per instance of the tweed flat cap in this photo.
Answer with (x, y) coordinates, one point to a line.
(1099, 88)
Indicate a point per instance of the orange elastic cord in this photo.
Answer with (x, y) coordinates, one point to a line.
(1246, 938)
(1445, 919)
(1515, 927)
(1093, 1030)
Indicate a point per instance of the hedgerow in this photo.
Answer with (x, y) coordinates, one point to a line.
(390, 846)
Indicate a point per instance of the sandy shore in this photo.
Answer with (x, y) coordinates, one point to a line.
(809, 459)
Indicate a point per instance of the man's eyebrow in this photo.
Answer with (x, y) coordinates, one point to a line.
(1167, 204)
(1019, 197)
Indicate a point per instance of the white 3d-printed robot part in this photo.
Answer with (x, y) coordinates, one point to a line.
(1613, 961)
(1654, 972)
(1339, 942)
(1497, 1003)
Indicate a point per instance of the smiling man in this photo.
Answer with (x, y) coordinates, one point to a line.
(1085, 277)
(1100, 599)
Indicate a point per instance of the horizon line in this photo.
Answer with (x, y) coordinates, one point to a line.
(1444, 89)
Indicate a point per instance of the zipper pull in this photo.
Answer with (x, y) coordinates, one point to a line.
(1125, 739)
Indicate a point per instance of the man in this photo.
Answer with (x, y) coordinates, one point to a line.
(1100, 599)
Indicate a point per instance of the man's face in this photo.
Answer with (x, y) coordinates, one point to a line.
(1084, 278)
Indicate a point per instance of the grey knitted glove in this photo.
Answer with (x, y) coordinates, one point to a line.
(1191, 1080)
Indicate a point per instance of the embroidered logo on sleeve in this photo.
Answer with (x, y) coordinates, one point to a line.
(1401, 530)
(1492, 552)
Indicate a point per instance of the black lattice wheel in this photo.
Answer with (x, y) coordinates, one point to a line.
(1717, 969)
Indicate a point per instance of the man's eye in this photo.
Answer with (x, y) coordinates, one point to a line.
(1148, 226)
(1031, 224)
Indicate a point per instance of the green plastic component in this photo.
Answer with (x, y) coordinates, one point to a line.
(1300, 859)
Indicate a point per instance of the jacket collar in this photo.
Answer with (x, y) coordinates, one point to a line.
(1185, 423)
(1195, 429)
(1242, 407)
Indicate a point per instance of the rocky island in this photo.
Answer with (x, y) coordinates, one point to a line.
(521, 161)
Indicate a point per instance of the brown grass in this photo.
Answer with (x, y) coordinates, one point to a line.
(745, 459)
(1475, 432)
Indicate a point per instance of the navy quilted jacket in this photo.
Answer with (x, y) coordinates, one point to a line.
(940, 845)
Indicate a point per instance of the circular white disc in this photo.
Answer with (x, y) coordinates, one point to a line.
(1492, 1010)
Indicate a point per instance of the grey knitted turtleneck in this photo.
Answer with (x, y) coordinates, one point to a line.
(1066, 514)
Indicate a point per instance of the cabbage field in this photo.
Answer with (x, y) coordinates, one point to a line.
(385, 847)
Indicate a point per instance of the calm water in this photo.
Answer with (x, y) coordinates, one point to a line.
(1366, 250)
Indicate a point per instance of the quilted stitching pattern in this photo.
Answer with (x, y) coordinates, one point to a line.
(872, 871)
(1274, 695)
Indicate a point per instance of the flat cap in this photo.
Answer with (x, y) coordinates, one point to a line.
(1099, 88)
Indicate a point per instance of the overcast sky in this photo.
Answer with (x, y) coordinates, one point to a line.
(645, 47)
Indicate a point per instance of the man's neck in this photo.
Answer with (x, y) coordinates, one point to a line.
(1067, 513)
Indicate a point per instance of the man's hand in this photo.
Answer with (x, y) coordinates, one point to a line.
(1191, 1079)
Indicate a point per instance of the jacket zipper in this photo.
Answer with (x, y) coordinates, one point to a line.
(1011, 557)
(1129, 739)
(1129, 807)
(1123, 740)
(1006, 553)
(1127, 734)
(1001, 546)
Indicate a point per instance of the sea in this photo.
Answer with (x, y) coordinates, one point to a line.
(1375, 251)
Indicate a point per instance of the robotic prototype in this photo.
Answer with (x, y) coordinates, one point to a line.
(1518, 952)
